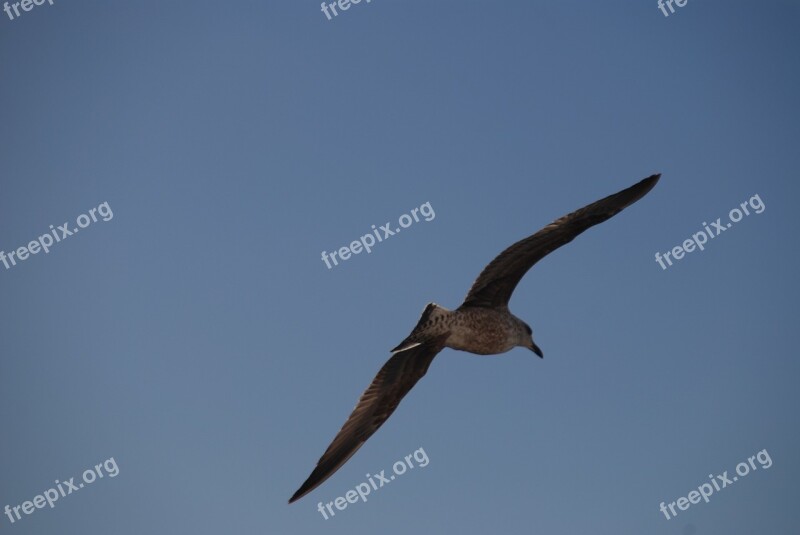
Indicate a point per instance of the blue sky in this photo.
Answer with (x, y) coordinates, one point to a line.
(198, 338)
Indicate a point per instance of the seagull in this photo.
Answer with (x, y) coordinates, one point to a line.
(482, 325)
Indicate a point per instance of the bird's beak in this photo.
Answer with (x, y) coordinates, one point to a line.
(536, 350)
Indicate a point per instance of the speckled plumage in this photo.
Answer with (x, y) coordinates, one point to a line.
(483, 331)
(482, 325)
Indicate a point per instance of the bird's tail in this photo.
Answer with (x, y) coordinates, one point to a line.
(421, 331)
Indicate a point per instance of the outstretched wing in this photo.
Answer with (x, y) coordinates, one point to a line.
(400, 373)
(496, 283)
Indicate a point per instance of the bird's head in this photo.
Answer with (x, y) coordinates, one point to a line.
(527, 340)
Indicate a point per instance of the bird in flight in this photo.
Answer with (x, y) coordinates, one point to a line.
(482, 325)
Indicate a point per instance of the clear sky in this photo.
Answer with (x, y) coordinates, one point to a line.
(198, 338)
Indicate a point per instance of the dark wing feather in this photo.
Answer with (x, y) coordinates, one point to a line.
(400, 373)
(496, 283)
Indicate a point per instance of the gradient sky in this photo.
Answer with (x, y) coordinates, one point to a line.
(199, 340)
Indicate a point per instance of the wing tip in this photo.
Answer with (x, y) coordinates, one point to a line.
(651, 180)
(302, 491)
(637, 191)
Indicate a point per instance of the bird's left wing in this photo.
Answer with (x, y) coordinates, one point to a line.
(496, 283)
(394, 380)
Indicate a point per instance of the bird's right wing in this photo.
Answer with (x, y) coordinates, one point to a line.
(394, 380)
(496, 283)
